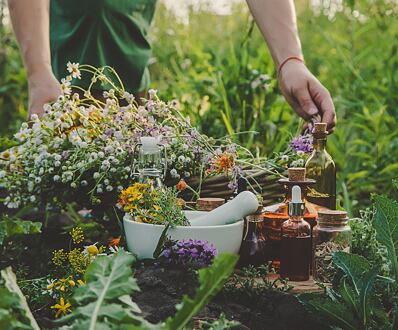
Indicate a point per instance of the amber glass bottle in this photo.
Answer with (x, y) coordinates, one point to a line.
(320, 167)
(276, 215)
(296, 242)
(252, 251)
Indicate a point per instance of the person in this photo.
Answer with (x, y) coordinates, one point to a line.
(114, 33)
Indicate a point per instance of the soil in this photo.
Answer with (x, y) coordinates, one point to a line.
(162, 289)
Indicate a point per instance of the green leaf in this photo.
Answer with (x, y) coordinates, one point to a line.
(368, 281)
(103, 299)
(353, 266)
(386, 226)
(211, 281)
(160, 244)
(14, 226)
(18, 299)
(334, 313)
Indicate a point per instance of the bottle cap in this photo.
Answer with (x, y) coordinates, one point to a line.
(296, 206)
(296, 174)
(319, 129)
(149, 144)
(332, 216)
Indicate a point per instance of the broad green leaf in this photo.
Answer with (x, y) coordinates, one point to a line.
(211, 281)
(14, 226)
(335, 314)
(386, 225)
(102, 302)
(10, 283)
(368, 281)
(353, 266)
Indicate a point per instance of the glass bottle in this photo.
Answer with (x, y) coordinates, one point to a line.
(331, 234)
(275, 215)
(252, 250)
(321, 168)
(150, 165)
(296, 241)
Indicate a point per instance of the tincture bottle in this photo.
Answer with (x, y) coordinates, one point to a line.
(276, 214)
(321, 168)
(296, 241)
(252, 251)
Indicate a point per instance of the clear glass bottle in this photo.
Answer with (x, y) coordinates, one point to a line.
(321, 168)
(331, 234)
(150, 165)
(295, 258)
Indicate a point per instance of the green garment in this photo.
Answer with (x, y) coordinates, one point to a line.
(103, 32)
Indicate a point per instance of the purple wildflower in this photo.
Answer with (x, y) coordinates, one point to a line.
(302, 143)
(191, 253)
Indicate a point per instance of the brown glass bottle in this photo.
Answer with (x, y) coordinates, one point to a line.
(321, 168)
(295, 243)
(277, 214)
(252, 251)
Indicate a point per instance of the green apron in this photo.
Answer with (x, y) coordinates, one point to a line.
(103, 32)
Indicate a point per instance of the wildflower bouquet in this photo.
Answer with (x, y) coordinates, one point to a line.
(82, 149)
(147, 205)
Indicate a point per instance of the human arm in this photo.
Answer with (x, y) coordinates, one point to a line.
(30, 20)
(276, 20)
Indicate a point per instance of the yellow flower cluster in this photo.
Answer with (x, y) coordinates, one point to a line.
(141, 201)
(64, 284)
(78, 260)
(59, 257)
(77, 235)
(131, 197)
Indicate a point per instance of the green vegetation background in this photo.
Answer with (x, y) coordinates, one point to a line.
(212, 66)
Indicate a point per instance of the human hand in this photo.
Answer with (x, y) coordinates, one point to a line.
(307, 96)
(43, 88)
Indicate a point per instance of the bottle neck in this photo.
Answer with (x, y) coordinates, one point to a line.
(319, 144)
(296, 218)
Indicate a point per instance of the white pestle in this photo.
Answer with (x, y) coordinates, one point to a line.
(242, 205)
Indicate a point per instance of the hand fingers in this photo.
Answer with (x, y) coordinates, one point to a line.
(305, 102)
(324, 102)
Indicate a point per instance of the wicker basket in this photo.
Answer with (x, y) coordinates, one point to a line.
(261, 182)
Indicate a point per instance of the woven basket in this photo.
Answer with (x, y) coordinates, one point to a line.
(261, 182)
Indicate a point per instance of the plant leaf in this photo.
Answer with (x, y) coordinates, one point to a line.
(10, 283)
(386, 226)
(369, 279)
(335, 313)
(14, 226)
(353, 266)
(109, 279)
(211, 281)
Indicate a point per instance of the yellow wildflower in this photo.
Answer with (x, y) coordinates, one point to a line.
(62, 308)
(59, 257)
(77, 235)
(92, 250)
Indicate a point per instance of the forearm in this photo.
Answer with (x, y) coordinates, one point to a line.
(30, 20)
(276, 20)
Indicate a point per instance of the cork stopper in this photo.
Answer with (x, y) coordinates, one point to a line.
(319, 129)
(332, 216)
(296, 174)
(208, 204)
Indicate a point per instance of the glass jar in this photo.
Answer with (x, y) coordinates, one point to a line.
(331, 234)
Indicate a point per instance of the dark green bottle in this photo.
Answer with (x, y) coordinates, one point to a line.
(320, 167)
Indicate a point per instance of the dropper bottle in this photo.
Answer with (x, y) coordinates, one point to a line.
(296, 241)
